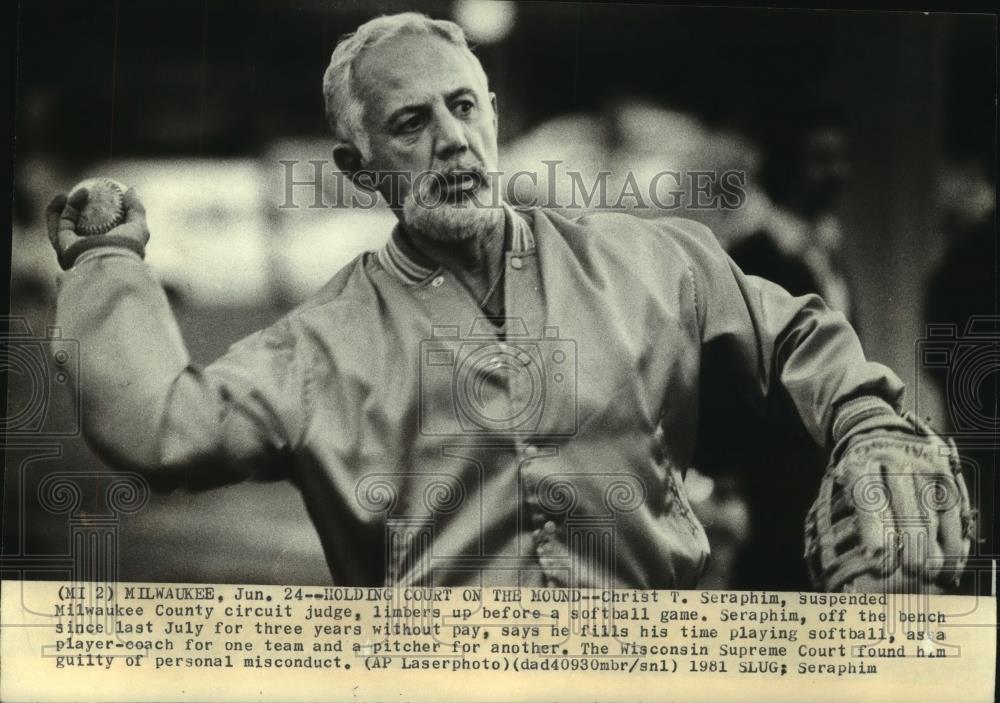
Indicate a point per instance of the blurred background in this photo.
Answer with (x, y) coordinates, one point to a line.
(867, 140)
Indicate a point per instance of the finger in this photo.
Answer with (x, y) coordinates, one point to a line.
(951, 529)
(873, 513)
(52, 215)
(71, 212)
(915, 522)
(946, 498)
(132, 230)
(843, 545)
(135, 218)
(66, 238)
(870, 583)
(134, 209)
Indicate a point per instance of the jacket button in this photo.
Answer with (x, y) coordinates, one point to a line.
(516, 263)
(531, 450)
(437, 281)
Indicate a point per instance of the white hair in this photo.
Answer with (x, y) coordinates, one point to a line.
(344, 108)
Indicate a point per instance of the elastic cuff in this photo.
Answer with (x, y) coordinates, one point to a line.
(869, 411)
(102, 252)
(78, 247)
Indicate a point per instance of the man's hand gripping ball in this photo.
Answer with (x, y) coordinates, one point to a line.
(98, 212)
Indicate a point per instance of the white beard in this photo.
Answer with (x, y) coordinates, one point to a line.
(466, 219)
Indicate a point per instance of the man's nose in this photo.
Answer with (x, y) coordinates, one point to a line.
(450, 137)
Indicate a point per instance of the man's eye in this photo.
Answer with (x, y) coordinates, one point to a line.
(412, 124)
(464, 107)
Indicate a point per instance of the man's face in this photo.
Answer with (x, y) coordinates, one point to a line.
(825, 166)
(427, 109)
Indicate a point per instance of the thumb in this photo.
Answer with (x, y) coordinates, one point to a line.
(71, 213)
(66, 233)
(53, 213)
(134, 209)
(134, 225)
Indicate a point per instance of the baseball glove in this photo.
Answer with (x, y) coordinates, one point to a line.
(893, 513)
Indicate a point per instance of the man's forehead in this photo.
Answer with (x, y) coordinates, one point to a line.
(412, 69)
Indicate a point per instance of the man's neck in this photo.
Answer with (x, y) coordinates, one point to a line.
(477, 263)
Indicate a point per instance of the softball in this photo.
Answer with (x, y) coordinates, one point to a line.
(105, 208)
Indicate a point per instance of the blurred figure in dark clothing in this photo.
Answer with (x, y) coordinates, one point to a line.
(796, 244)
(964, 283)
(962, 293)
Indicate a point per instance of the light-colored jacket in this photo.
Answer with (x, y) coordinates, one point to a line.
(431, 449)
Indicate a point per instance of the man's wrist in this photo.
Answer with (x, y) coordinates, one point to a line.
(863, 414)
(89, 247)
(105, 252)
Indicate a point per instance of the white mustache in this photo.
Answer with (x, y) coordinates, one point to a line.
(460, 176)
(466, 170)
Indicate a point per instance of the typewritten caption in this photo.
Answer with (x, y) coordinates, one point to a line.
(378, 638)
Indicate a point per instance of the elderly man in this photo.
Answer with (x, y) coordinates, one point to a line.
(494, 397)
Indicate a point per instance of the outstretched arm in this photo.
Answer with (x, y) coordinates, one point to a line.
(893, 512)
(768, 344)
(145, 406)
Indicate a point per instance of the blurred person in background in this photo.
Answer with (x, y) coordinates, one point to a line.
(794, 240)
(651, 349)
(964, 282)
(962, 294)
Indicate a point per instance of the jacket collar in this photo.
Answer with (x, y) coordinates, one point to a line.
(404, 261)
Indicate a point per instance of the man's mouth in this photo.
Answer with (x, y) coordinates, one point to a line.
(462, 182)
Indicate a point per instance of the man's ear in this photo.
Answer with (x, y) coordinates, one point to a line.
(493, 102)
(348, 159)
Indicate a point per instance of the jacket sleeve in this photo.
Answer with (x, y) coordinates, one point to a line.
(146, 407)
(767, 344)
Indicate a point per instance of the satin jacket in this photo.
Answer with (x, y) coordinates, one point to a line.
(434, 446)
